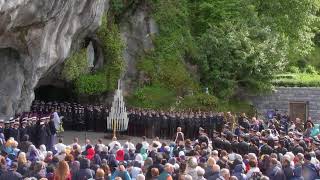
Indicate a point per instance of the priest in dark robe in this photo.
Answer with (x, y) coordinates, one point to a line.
(150, 128)
(15, 131)
(164, 126)
(42, 134)
(23, 129)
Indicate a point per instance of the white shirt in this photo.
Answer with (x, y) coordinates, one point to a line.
(113, 143)
(100, 146)
(83, 148)
(59, 147)
(130, 145)
(251, 171)
(145, 144)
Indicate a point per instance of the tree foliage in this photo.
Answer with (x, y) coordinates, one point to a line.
(297, 20)
(242, 43)
(234, 56)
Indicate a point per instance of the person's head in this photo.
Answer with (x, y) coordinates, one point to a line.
(273, 155)
(25, 137)
(307, 157)
(299, 158)
(42, 147)
(200, 171)
(69, 158)
(215, 153)
(155, 172)
(264, 178)
(179, 129)
(273, 162)
(22, 158)
(49, 154)
(211, 161)
(185, 177)
(309, 125)
(88, 141)
(285, 162)
(100, 174)
(192, 162)
(233, 178)
(168, 168)
(252, 163)
(140, 177)
(62, 170)
(144, 138)
(75, 140)
(14, 144)
(215, 168)
(14, 166)
(60, 140)
(225, 173)
(99, 141)
(9, 142)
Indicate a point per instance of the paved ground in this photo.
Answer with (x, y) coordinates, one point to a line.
(93, 136)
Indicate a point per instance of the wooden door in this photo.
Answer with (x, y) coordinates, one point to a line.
(298, 110)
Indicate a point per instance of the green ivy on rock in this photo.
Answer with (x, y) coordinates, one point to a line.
(75, 65)
(105, 79)
(165, 64)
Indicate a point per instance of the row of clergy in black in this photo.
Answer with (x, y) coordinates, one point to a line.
(142, 122)
(37, 130)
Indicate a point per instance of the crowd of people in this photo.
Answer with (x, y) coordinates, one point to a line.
(235, 148)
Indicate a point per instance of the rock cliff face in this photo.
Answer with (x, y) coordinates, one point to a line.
(137, 31)
(35, 37)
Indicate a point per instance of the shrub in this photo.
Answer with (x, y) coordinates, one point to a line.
(199, 101)
(297, 80)
(75, 65)
(91, 84)
(311, 70)
(155, 97)
(302, 63)
(293, 69)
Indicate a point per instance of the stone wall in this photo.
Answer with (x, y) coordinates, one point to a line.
(283, 96)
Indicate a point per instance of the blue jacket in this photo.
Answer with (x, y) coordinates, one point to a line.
(297, 173)
(123, 174)
(238, 172)
(276, 173)
(309, 171)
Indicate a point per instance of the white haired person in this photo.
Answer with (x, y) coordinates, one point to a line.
(192, 167)
(200, 173)
(166, 173)
(224, 174)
